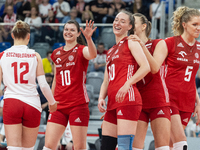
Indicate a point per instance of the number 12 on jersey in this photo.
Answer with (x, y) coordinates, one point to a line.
(65, 77)
(188, 73)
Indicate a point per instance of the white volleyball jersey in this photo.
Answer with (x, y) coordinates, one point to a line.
(19, 65)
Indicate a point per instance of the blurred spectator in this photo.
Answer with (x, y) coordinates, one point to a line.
(99, 63)
(62, 9)
(139, 7)
(24, 10)
(80, 7)
(43, 100)
(43, 9)
(35, 23)
(99, 10)
(87, 15)
(195, 129)
(115, 7)
(4, 6)
(155, 11)
(47, 63)
(49, 33)
(5, 31)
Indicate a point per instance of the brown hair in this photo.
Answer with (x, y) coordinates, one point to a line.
(80, 39)
(131, 19)
(182, 14)
(144, 20)
(20, 30)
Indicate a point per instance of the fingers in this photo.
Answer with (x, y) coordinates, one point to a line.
(102, 116)
(101, 106)
(120, 96)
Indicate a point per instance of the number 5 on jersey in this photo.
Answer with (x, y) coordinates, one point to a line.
(188, 73)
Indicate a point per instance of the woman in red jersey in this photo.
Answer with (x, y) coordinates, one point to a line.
(126, 65)
(71, 62)
(182, 62)
(19, 67)
(153, 90)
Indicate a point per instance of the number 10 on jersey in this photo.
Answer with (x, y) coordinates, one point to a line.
(65, 77)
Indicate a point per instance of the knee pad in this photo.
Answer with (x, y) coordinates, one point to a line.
(163, 148)
(14, 148)
(182, 145)
(45, 148)
(125, 142)
(30, 148)
(108, 143)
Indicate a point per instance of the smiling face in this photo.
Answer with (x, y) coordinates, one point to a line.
(192, 27)
(121, 24)
(70, 32)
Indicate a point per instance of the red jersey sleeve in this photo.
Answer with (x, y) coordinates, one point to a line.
(1, 54)
(170, 44)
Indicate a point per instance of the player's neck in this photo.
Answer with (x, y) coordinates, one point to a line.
(143, 38)
(69, 45)
(188, 39)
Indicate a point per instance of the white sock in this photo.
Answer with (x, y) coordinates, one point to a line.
(45, 148)
(133, 148)
(30, 148)
(179, 145)
(14, 148)
(163, 148)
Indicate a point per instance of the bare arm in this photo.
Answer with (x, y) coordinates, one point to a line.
(103, 93)
(90, 51)
(144, 68)
(197, 108)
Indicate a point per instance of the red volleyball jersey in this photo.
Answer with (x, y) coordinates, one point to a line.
(152, 87)
(71, 69)
(182, 65)
(121, 66)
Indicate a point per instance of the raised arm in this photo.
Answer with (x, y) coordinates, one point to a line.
(103, 93)
(90, 51)
(144, 68)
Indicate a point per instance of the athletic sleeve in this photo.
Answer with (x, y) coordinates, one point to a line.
(170, 44)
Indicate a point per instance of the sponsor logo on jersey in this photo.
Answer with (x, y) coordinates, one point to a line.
(58, 60)
(185, 120)
(180, 45)
(71, 57)
(160, 112)
(182, 53)
(70, 64)
(58, 53)
(119, 113)
(57, 66)
(77, 120)
(196, 55)
(182, 59)
(114, 57)
(196, 61)
(74, 50)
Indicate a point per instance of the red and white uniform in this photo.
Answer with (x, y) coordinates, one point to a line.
(71, 69)
(121, 66)
(182, 65)
(152, 87)
(19, 65)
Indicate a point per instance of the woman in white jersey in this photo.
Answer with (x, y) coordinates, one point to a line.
(19, 67)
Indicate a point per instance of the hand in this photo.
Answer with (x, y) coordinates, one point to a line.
(135, 38)
(102, 116)
(197, 111)
(102, 105)
(88, 29)
(122, 93)
(53, 107)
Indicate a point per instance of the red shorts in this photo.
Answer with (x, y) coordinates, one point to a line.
(185, 116)
(129, 112)
(77, 116)
(16, 112)
(153, 113)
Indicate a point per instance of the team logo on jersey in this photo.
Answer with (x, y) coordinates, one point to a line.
(119, 113)
(58, 60)
(182, 53)
(58, 53)
(180, 45)
(196, 55)
(71, 57)
(74, 50)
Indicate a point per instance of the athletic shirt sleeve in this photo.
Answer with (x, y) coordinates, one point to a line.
(170, 44)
